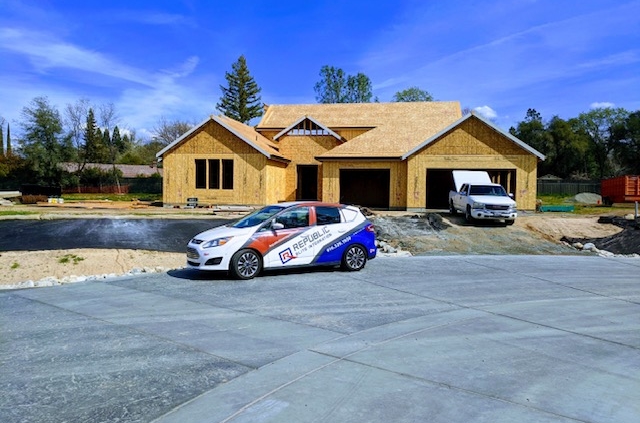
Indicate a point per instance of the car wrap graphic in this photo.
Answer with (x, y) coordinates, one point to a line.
(332, 251)
(300, 249)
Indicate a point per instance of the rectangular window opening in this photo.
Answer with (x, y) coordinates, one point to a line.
(214, 174)
(227, 174)
(201, 174)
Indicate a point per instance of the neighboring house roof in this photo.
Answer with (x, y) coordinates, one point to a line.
(395, 128)
(243, 132)
(475, 115)
(128, 171)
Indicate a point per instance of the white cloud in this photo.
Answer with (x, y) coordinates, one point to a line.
(45, 52)
(487, 112)
(602, 105)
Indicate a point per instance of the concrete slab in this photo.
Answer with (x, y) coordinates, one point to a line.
(439, 339)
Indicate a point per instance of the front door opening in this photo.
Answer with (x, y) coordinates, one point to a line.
(307, 182)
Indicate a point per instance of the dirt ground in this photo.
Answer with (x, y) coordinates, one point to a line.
(419, 234)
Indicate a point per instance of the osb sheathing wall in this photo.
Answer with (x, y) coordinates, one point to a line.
(470, 146)
(397, 183)
(214, 142)
(302, 150)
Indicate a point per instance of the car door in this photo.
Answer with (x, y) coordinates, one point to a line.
(294, 238)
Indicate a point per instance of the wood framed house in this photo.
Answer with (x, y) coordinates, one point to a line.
(382, 155)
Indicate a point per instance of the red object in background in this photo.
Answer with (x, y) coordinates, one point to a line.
(623, 189)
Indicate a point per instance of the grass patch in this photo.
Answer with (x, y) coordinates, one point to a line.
(15, 265)
(15, 213)
(68, 258)
(113, 197)
(584, 209)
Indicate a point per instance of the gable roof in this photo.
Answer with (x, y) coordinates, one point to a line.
(487, 122)
(243, 132)
(395, 128)
(302, 119)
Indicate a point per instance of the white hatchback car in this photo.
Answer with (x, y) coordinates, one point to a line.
(283, 235)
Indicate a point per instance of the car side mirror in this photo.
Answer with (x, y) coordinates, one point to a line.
(511, 194)
(276, 225)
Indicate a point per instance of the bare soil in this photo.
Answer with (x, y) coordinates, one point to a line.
(419, 234)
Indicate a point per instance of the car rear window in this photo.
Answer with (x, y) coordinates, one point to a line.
(327, 215)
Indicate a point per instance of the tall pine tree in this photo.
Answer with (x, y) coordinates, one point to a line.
(1, 138)
(8, 140)
(241, 98)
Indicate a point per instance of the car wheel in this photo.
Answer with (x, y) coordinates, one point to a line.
(245, 264)
(452, 209)
(354, 258)
(467, 215)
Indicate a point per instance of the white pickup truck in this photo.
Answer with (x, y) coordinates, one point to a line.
(478, 198)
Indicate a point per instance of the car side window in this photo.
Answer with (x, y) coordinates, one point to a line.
(327, 215)
(296, 218)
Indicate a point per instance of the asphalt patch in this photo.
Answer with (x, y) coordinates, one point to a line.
(169, 235)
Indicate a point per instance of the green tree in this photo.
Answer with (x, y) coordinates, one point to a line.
(9, 152)
(94, 149)
(1, 136)
(241, 98)
(43, 144)
(598, 125)
(412, 94)
(359, 89)
(532, 131)
(337, 87)
(568, 149)
(627, 135)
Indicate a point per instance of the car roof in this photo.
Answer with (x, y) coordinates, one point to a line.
(308, 203)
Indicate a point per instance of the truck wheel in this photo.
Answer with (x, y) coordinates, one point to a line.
(467, 215)
(245, 264)
(452, 209)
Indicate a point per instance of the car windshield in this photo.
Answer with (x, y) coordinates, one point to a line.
(488, 190)
(257, 217)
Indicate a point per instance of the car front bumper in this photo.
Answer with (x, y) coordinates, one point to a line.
(201, 259)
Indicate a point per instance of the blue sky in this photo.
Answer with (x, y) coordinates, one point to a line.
(167, 59)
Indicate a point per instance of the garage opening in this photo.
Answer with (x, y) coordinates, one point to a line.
(307, 188)
(365, 187)
(440, 182)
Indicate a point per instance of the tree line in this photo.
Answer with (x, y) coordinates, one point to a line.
(597, 144)
(600, 143)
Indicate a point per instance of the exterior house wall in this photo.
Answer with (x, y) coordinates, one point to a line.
(397, 183)
(215, 142)
(473, 145)
(302, 150)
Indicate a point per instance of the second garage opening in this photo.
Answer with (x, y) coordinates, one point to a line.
(365, 187)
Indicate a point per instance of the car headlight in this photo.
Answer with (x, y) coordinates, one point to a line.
(477, 205)
(218, 242)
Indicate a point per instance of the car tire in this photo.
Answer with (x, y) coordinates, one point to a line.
(452, 209)
(467, 215)
(354, 258)
(245, 264)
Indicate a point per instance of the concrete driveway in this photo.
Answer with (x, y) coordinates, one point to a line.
(422, 339)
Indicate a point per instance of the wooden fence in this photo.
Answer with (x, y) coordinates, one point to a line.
(567, 187)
